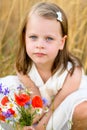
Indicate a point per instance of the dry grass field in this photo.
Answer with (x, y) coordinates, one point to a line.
(11, 14)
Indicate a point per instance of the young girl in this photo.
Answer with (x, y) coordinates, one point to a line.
(45, 66)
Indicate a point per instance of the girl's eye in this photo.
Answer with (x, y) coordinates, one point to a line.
(49, 39)
(33, 37)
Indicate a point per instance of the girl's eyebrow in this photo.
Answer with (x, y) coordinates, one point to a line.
(52, 35)
(31, 34)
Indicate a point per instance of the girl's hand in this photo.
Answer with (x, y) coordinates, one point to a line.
(28, 128)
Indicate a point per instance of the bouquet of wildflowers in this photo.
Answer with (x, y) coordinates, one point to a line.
(22, 109)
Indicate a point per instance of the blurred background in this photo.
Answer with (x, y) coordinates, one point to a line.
(11, 14)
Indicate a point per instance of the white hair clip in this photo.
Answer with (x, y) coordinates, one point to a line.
(59, 16)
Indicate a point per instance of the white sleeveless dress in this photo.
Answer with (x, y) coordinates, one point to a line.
(62, 116)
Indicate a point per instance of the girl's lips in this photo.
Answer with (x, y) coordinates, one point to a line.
(40, 54)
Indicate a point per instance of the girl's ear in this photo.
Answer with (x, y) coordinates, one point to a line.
(63, 42)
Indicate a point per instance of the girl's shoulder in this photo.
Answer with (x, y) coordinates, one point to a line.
(73, 81)
(77, 73)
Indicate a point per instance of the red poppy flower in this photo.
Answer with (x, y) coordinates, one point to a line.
(11, 111)
(2, 117)
(5, 100)
(37, 102)
(22, 99)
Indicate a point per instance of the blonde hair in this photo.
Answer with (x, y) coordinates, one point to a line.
(48, 11)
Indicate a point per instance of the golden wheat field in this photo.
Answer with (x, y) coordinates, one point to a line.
(11, 14)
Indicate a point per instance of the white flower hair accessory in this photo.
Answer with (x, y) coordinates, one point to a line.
(59, 16)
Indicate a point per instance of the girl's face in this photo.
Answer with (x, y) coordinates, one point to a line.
(43, 40)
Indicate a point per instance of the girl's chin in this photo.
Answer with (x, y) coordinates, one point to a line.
(40, 63)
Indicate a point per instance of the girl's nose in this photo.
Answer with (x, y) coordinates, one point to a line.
(40, 44)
